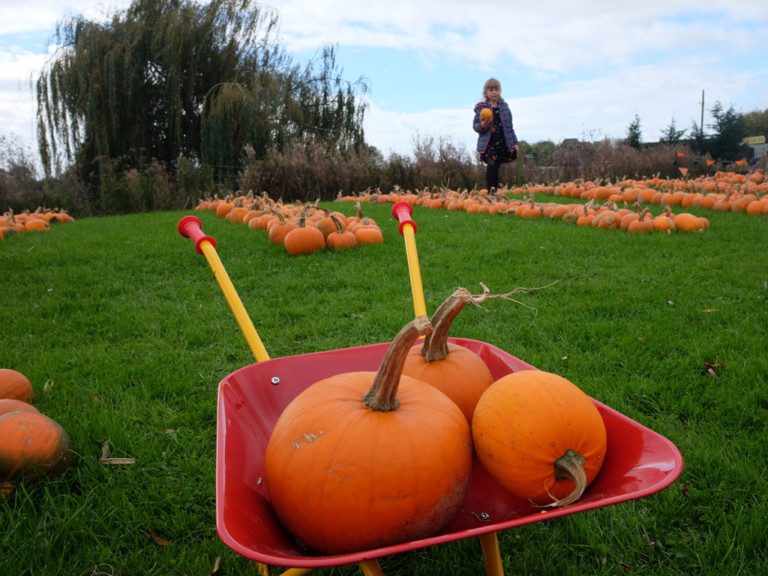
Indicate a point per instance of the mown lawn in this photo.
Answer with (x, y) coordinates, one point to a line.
(125, 335)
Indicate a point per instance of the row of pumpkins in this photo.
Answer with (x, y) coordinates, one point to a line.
(723, 191)
(346, 475)
(40, 220)
(33, 445)
(300, 229)
(606, 216)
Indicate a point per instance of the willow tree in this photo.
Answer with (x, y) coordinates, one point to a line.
(305, 104)
(165, 79)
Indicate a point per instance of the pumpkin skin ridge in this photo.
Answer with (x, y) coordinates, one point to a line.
(345, 520)
(8, 405)
(530, 474)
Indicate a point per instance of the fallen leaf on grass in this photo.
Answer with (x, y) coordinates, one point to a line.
(118, 461)
(711, 369)
(158, 540)
(113, 461)
(216, 565)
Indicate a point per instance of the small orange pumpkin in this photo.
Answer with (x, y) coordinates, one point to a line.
(643, 223)
(33, 446)
(539, 436)
(368, 232)
(340, 238)
(453, 369)
(486, 114)
(37, 224)
(15, 385)
(687, 222)
(279, 229)
(369, 459)
(304, 239)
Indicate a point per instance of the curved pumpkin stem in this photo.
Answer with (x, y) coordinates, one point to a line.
(435, 345)
(382, 395)
(570, 465)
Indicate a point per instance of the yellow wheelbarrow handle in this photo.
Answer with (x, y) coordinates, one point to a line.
(402, 212)
(189, 227)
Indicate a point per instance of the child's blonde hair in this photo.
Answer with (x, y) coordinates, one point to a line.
(490, 83)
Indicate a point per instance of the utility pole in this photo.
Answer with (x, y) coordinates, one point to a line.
(701, 126)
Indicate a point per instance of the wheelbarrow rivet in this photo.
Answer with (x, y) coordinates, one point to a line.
(275, 380)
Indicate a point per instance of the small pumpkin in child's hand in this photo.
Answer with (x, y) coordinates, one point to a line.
(486, 114)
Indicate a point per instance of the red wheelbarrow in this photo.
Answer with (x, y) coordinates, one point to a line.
(638, 461)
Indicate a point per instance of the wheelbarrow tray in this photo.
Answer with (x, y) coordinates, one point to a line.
(638, 461)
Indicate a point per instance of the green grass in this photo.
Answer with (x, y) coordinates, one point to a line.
(126, 324)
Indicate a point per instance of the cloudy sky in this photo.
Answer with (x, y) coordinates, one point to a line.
(581, 69)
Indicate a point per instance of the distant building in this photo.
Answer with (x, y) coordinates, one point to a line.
(758, 146)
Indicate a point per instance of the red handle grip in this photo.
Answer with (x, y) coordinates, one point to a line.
(189, 227)
(402, 211)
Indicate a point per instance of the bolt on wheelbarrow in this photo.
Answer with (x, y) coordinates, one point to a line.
(638, 463)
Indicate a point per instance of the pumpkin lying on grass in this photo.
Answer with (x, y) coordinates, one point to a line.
(34, 446)
(368, 459)
(539, 436)
(15, 385)
(8, 405)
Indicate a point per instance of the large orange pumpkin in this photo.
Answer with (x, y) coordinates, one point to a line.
(539, 436)
(453, 369)
(368, 459)
(14, 384)
(33, 446)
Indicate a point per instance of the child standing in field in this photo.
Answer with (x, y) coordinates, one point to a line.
(496, 141)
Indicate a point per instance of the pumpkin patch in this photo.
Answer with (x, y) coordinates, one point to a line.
(296, 223)
(39, 220)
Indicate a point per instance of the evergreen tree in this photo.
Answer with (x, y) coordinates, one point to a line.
(729, 128)
(672, 135)
(634, 135)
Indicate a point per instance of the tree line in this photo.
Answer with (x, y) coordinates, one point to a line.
(724, 141)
